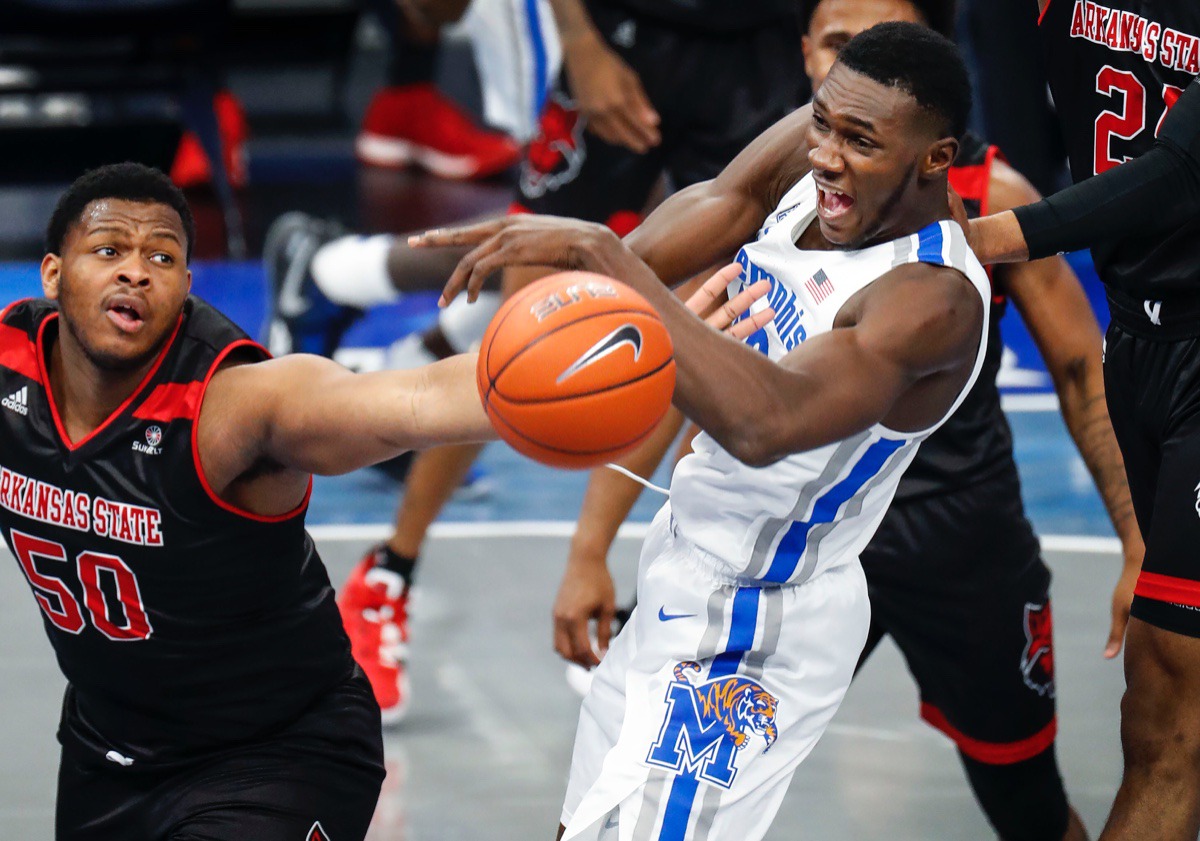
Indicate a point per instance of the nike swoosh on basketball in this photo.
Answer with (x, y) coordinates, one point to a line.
(663, 616)
(626, 334)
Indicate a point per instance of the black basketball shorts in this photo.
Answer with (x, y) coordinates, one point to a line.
(957, 580)
(318, 779)
(1153, 388)
(713, 92)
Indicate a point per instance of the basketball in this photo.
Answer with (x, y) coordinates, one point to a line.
(575, 370)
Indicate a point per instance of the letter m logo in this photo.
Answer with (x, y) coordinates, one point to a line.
(692, 741)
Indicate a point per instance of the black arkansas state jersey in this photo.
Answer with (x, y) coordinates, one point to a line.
(1115, 68)
(975, 443)
(181, 623)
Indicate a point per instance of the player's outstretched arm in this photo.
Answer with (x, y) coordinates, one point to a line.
(1156, 192)
(303, 414)
(1059, 317)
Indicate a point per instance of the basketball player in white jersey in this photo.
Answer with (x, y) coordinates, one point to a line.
(752, 604)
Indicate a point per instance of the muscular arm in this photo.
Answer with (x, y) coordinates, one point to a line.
(1157, 191)
(1059, 318)
(264, 427)
(900, 364)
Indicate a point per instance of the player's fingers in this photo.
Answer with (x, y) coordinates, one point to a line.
(751, 324)
(707, 297)
(581, 643)
(640, 113)
(466, 269)
(624, 131)
(461, 235)
(1116, 633)
(604, 623)
(562, 640)
(729, 311)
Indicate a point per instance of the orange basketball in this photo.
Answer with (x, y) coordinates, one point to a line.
(575, 370)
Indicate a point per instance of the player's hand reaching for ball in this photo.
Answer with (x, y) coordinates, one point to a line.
(528, 240)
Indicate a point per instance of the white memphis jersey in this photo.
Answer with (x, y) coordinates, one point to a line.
(817, 509)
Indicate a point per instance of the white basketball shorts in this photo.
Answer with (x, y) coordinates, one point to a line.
(709, 698)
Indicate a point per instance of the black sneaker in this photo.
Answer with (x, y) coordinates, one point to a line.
(300, 319)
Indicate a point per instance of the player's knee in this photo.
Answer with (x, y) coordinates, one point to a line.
(1159, 733)
(1160, 710)
(1023, 801)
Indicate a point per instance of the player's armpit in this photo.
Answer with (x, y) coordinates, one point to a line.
(309, 414)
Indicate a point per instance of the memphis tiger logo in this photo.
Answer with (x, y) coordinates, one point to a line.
(1037, 658)
(317, 833)
(706, 725)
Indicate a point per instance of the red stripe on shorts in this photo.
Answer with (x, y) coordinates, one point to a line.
(1165, 588)
(621, 222)
(992, 753)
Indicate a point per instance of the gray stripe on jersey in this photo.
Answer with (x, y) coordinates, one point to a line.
(708, 811)
(651, 801)
(771, 528)
(903, 251)
(772, 606)
(717, 603)
(958, 249)
(851, 509)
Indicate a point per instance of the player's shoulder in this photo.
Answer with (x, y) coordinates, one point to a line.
(26, 314)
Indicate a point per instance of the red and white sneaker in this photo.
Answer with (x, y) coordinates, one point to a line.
(415, 124)
(374, 607)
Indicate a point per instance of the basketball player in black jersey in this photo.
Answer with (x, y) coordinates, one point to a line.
(154, 474)
(155, 469)
(954, 571)
(1124, 78)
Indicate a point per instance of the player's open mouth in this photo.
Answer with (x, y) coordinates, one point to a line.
(833, 204)
(126, 312)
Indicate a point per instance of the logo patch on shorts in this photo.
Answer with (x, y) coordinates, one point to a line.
(1037, 660)
(707, 725)
(317, 833)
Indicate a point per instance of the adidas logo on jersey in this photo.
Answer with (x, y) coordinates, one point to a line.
(18, 401)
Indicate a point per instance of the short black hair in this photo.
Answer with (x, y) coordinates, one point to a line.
(939, 14)
(919, 61)
(130, 181)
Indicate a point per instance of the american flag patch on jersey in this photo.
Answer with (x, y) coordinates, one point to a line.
(819, 286)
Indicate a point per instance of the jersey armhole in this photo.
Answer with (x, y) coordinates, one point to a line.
(199, 468)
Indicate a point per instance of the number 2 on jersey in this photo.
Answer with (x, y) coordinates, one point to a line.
(1130, 120)
(60, 605)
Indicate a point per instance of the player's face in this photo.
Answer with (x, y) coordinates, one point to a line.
(121, 280)
(871, 149)
(834, 22)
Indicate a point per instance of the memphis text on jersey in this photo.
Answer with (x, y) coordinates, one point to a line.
(102, 517)
(1130, 32)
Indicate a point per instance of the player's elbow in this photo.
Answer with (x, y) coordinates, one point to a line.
(757, 444)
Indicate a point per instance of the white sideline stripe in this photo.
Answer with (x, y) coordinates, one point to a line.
(1029, 402)
(1073, 543)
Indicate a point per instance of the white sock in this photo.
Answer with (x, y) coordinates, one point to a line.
(352, 271)
(464, 324)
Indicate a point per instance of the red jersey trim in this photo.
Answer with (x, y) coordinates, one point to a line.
(40, 351)
(1166, 588)
(171, 401)
(992, 753)
(18, 353)
(217, 500)
(1045, 9)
